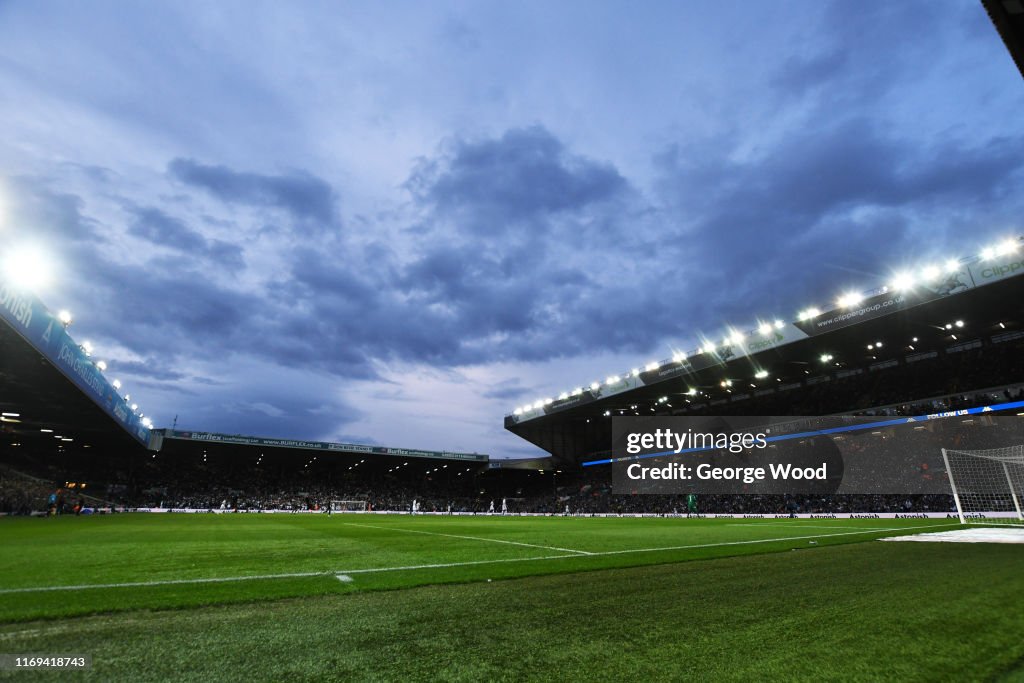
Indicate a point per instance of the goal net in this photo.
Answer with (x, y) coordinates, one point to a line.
(988, 486)
(348, 506)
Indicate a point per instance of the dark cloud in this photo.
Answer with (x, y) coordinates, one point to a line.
(303, 195)
(166, 231)
(523, 177)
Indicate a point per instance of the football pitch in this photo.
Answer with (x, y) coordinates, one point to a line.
(375, 597)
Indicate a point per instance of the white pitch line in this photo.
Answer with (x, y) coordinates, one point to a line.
(801, 526)
(295, 575)
(469, 538)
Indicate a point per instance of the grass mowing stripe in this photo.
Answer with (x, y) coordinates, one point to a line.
(293, 575)
(468, 538)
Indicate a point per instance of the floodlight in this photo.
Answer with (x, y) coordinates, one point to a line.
(736, 338)
(651, 367)
(988, 253)
(765, 329)
(135, 406)
(809, 313)
(901, 282)
(678, 357)
(116, 384)
(779, 324)
(65, 318)
(1006, 247)
(87, 347)
(101, 365)
(25, 267)
(826, 357)
(850, 299)
(614, 379)
(959, 323)
(564, 395)
(930, 273)
(761, 374)
(952, 266)
(691, 391)
(594, 386)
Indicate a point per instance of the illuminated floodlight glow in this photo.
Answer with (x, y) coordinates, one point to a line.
(761, 374)
(878, 345)
(988, 253)
(101, 365)
(537, 405)
(765, 329)
(564, 395)
(736, 338)
(952, 266)
(65, 318)
(678, 357)
(614, 379)
(779, 324)
(26, 267)
(594, 386)
(10, 414)
(116, 384)
(929, 273)
(548, 401)
(651, 367)
(826, 357)
(517, 411)
(809, 313)
(135, 406)
(87, 347)
(577, 391)
(900, 282)
(1006, 247)
(691, 391)
(959, 323)
(850, 299)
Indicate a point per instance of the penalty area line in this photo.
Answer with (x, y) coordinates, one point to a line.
(444, 565)
(469, 538)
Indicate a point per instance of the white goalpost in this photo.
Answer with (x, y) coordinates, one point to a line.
(988, 485)
(348, 506)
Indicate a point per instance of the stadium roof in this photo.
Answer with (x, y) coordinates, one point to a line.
(164, 437)
(739, 347)
(1008, 18)
(979, 298)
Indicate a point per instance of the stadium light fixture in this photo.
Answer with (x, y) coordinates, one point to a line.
(46, 431)
(902, 282)
(761, 374)
(614, 379)
(691, 391)
(635, 372)
(871, 347)
(929, 273)
(708, 349)
(988, 253)
(102, 365)
(826, 357)
(850, 299)
(26, 267)
(135, 406)
(765, 329)
(594, 386)
(537, 405)
(952, 266)
(87, 347)
(809, 313)
(548, 401)
(517, 412)
(65, 318)
(678, 357)
(878, 344)
(736, 338)
(116, 384)
(564, 395)
(914, 340)
(1006, 247)
(779, 324)
(949, 326)
(959, 323)
(651, 367)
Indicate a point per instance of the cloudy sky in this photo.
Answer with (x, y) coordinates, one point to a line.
(394, 222)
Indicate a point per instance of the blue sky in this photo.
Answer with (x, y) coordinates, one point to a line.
(394, 222)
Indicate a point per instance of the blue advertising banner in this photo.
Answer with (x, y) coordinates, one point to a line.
(27, 316)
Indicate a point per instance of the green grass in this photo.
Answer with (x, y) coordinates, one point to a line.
(655, 599)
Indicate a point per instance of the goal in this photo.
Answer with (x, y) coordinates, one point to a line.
(988, 486)
(348, 506)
